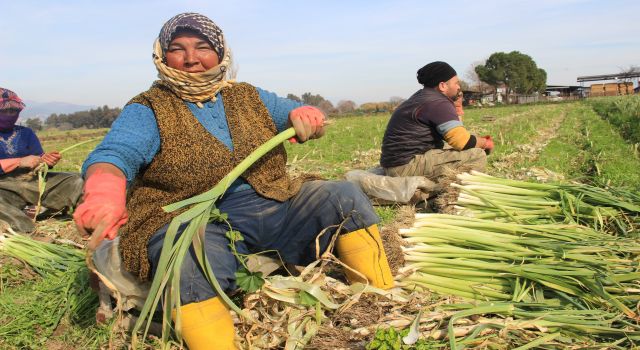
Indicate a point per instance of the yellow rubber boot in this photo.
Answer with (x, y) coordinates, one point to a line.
(362, 251)
(207, 325)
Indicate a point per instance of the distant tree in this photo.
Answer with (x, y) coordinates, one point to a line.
(294, 97)
(346, 106)
(34, 123)
(65, 126)
(464, 85)
(395, 101)
(475, 84)
(310, 99)
(326, 107)
(630, 70)
(516, 71)
(51, 121)
(101, 117)
(369, 107)
(376, 107)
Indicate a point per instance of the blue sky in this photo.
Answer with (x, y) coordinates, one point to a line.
(99, 52)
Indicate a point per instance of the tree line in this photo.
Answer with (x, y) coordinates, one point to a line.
(96, 118)
(346, 106)
(103, 117)
(515, 71)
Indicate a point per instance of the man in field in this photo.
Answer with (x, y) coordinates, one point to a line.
(20, 154)
(420, 128)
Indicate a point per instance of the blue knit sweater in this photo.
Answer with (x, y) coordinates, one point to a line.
(134, 138)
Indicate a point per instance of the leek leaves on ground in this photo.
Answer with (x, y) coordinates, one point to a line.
(518, 250)
(486, 260)
(484, 196)
(62, 293)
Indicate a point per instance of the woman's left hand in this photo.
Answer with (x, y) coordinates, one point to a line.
(51, 158)
(308, 122)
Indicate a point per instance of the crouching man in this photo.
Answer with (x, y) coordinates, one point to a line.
(415, 139)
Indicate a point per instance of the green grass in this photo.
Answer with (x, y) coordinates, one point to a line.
(29, 314)
(589, 148)
(386, 213)
(55, 140)
(623, 112)
(563, 157)
(349, 143)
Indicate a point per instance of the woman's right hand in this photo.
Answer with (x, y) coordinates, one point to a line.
(308, 122)
(103, 209)
(29, 162)
(51, 158)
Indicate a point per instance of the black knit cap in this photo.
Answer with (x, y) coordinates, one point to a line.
(435, 72)
(195, 22)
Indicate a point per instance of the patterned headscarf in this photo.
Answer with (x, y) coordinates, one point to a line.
(197, 23)
(9, 100)
(193, 87)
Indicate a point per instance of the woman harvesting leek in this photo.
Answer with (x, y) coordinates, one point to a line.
(182, 136)
(21, 153)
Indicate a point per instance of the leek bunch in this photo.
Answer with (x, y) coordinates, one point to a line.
(30, 314)
(533, 325)
(559, 259)
(486, 260)
(484, 196)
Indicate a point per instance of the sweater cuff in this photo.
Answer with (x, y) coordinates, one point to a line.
(473, 141)
(8, 165)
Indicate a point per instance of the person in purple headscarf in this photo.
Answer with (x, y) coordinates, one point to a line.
(20, 154)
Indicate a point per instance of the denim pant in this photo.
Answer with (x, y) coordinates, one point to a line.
(289, 227)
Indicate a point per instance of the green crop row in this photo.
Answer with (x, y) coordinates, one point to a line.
(588, 148)
(623, 112)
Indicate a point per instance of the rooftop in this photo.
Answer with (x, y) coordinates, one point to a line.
(616, 76)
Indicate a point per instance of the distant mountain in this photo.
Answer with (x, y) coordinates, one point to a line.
(42, 110)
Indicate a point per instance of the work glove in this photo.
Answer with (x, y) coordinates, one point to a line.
(488, 144)
(51, 158)
(308, 122)
(103, 210)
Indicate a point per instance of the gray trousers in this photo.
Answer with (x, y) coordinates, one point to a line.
(438, 163)
(61, 193)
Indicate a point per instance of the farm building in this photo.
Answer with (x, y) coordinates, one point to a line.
(622, 86)
(565, 91)
(478, 98)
